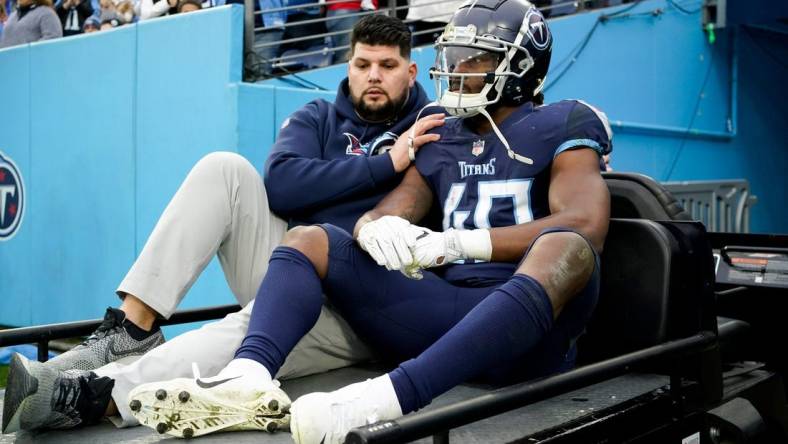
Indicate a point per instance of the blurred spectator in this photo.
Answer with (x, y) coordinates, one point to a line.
(31, 21)
(156, 8)
(3, 17)
(122, 10)
(397, 7)
(125, 11)
(109, 19)
(92, 24)
(72, 15)
(341, 17)
(189, 6)
(429, 17)
(308, 12)
(304, 24)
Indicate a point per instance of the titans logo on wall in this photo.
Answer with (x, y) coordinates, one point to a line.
(378, 146)
(12, 198)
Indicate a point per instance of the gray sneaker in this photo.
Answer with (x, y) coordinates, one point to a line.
(110, 342)
(39, 396)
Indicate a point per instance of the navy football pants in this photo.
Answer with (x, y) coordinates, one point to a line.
(400, 317)
(440, 334)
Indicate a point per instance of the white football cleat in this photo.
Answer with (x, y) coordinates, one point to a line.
(325, 418)
(189, 407)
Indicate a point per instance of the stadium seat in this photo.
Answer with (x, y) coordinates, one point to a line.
(638, 196)
(656, 286)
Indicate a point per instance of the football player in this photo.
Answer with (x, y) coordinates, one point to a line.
(501, 293)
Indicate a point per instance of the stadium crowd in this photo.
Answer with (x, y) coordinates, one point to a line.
(282, 27)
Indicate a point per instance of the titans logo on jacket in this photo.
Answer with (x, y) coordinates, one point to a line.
(479, 186)
(380, 145)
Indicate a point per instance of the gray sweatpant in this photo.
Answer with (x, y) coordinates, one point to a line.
(220, 209)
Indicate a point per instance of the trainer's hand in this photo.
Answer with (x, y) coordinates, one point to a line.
(389, 241)
(440, 248)
(399, 153)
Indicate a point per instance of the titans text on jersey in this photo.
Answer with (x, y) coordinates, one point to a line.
(479, 186)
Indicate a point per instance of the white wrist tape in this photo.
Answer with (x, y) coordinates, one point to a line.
(476, 244)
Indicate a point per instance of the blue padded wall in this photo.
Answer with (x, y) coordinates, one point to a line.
(184, 110)
(85, 140)
(256, 121)
(15, 260)
(288, 100)
(261, 111)
(104, 128)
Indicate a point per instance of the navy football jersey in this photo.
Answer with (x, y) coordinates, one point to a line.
(479, 186)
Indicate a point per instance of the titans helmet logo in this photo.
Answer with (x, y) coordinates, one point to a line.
(537, 29)
(12, 198)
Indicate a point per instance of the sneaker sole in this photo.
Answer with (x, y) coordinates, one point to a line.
(20, 386)
(182, 410)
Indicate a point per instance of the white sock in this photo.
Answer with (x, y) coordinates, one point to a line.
(250, 369)
(381, 393)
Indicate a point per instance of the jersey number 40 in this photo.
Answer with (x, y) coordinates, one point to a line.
(517, 191)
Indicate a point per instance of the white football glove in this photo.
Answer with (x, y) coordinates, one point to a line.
(440, 248)
(413, 270)
(389, 241)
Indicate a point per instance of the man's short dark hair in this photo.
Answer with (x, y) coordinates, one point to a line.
(380, 29)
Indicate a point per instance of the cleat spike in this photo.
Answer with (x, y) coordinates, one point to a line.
(184, 408)
(135, 405)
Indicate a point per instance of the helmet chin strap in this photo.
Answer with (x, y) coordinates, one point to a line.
(509, 151)
(482, 111)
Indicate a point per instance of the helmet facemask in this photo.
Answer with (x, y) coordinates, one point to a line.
(471, 71)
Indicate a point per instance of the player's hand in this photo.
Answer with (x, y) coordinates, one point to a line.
(400, 152)
(389, 241)
(414, 269)
(440, 248)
